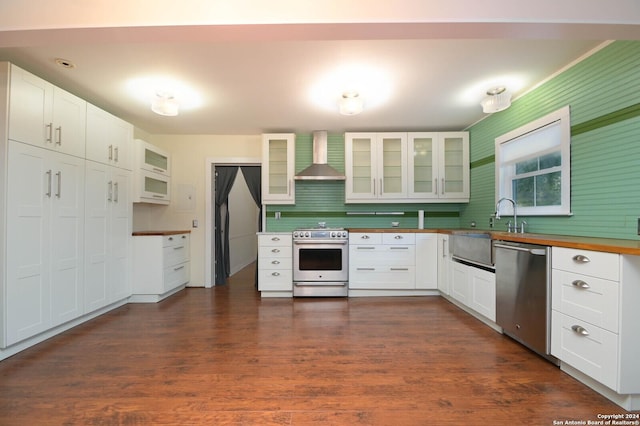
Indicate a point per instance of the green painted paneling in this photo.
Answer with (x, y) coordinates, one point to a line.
(602, 92)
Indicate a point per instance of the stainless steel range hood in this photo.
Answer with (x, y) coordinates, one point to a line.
(320, 170)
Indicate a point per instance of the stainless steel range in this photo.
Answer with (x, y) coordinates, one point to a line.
(320, 262)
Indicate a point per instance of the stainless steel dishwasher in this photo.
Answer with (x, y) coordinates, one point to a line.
(523, 294)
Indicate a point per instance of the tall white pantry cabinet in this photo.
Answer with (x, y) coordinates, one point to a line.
(65, 209)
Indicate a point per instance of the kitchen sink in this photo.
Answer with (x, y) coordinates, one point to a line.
(472, 246)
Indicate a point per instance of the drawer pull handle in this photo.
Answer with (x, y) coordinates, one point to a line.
(580, 258)
(275, 251)
(276, 274)
(366, 269)
(275, 262)
(183, 237)
(399, 269)
(580, 284)
(580, 330)
(400, 248)
(365, 237)
(170, 238)
(366, 248)
(398, 237)
(178, 268)
(275, 239)
(178, 248)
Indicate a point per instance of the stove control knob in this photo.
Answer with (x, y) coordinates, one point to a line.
(307, 234)
(295, 234)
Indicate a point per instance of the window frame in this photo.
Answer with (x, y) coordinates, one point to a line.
(504, 184)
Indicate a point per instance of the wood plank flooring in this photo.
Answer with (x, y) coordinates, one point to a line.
(224, 356)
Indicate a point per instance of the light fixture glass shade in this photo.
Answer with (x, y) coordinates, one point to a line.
(164, 104)
(351, 104)
(495, 102)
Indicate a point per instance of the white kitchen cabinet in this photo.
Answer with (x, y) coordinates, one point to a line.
(438, 166)
(44, 115)
(275, 264)
(151, 174)
(426, 261)
(475, 288)
(382, 261)
(44, 240)
(160, 265)
(109, 139)
(444, 263)
(108, 219)
(278, 168)
(151, 158)
(595, 323)
(375, 167)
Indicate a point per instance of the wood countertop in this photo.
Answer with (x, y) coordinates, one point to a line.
(610, 245)
(158, 233)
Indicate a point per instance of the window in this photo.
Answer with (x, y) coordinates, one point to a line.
(533, 165)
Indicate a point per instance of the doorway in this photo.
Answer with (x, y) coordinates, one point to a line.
(241, 211)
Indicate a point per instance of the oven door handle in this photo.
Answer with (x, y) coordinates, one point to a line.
(320, 283)
(332, 242)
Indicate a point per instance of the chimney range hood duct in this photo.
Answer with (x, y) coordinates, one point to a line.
(320, 170)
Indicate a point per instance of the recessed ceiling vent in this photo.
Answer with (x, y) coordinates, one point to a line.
(320, 170)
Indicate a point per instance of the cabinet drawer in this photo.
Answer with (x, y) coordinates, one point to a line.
(377, 255)
(593, 263)
(175, 255)
(382, 277)
(586, 298)
(595, 353)
(275, 280)
(277, 251)
(176, 276)
(275, 240)
(285, 263)
(175, 240)
(365, 238)
(399, 238)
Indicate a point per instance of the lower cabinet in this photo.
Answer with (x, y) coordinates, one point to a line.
(444, 263)
(475, 288)
(275, 264)
(160, 266)
(595, 324)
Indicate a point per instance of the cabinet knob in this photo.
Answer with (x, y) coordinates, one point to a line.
(365, 237)
(276, 274)
(275, 251)
(170, 238)
(275, 262)
(398, 237)
(275, 239)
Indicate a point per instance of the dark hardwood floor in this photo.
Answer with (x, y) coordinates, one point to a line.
(224, 356)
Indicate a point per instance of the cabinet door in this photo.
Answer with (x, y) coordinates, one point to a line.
(120, 285)
(109, 139)
(392, 165)
(483, 292)
(427, 261)
(459, 289)
(360, 167)
(69, 123)
(28, 291)
(278, 157)
(454, 166)
(422, 167)
(67, 238)
(30, 109)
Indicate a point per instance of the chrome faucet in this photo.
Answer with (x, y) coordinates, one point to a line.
(510, 227)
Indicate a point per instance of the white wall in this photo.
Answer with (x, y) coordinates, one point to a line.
(243, 225)
(189, 154)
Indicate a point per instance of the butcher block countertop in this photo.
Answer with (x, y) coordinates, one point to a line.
(160, 233)
(610, 245)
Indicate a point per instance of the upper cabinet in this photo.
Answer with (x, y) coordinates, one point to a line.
(152, 174)
(278, 168)
(43, 115)
(109, 139)
(375, 166)
(438, 166)
(407, 167)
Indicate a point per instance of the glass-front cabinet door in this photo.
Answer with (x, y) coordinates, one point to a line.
(454, 165)
(278, 156)
(360, 160)
(392, 165)
(422, 169)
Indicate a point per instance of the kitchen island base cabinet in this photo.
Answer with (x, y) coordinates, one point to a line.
(160, 266)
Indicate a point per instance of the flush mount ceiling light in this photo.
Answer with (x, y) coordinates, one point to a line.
(164, 104)
(351, 103)
(497, 99)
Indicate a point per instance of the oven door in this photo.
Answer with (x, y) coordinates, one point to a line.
(315, 261)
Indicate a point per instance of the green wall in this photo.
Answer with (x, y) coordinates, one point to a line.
(603, 92)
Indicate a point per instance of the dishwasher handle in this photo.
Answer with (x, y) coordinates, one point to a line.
(534, 251)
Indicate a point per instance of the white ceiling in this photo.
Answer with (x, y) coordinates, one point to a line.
(255, 72)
